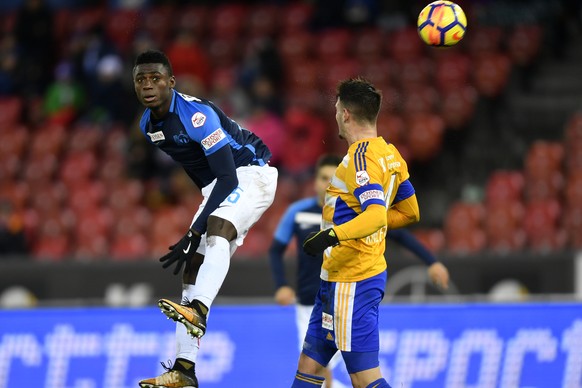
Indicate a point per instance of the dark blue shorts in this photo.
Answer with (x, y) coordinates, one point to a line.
(345, 318)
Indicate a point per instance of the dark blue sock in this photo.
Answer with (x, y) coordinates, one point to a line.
(303, 380)
(380, 383)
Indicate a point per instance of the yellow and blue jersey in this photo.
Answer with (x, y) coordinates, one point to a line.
(372, 173)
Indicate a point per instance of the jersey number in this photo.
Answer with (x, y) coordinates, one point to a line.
(235, 195)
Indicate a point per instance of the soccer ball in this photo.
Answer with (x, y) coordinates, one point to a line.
(442, 23)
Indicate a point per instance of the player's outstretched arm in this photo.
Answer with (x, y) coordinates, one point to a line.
(437, 272)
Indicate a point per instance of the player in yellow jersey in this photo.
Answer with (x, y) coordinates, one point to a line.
(368, 194)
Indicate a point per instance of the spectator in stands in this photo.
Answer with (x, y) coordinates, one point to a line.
(8, 65)
(64, 97)
(12, 236)
(189, 60)
(109, 100)
(34, 36)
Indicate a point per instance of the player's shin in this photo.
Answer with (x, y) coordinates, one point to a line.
(213, 270)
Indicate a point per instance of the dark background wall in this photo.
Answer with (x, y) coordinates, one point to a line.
(540, 274)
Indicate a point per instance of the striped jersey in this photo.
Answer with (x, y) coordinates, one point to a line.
(370, 173)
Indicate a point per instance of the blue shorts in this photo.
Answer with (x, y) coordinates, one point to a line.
(345, 318)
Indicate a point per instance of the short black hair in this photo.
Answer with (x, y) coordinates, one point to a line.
(327, 160)
(361, 98)
(154, 56)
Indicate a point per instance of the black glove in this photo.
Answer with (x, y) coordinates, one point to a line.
(316, 242)
(182, 252)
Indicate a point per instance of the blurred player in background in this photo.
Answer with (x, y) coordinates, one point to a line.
(300, 219)
(230, 166)
(369, 194)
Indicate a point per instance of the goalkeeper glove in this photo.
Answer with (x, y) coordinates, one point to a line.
(316, 242)
(182, 252)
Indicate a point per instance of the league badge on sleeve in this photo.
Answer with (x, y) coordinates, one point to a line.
(198, 119)
(362, 177)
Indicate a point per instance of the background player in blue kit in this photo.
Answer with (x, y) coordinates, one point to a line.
(230, 166)
(303, 217)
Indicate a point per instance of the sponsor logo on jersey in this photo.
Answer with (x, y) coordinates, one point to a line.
(198, 119)
(156, 136)
(213, 139)
(362, 177)
(371, 194)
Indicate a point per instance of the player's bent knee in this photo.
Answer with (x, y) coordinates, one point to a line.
(309, 365)
(220, 227)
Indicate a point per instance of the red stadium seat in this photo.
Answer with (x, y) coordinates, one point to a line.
(503, 227)
(452, 72)
(544, 158)
(40, 168)
(129, 247)
(194, 18)
(85, 138)
(333, 45)
(86, 195)
(432, 239)
(392, 128)
(48, 140)
(524, 43)
(458, 107)
(463, 216)
(467, 242)
(504, 186)
(574, 129)
(574, 156)
(539, 187)
(303, 128)
(404, 45)
(16, 192)
(10, 111)
(414, 73)
(573, 224)
(254, 247)
(77, 166)
(490, 73)
(263, 20)
(295, 17)
(125, 194)
(419, 100)
(369, 46)
(227, 20)
(112, 170)
(223, 52)
(425, 135)
(120, 25)
(379, 72)
(85, 19)
(541, 225)
(52, 242)
(573, 190)
(485, 40)
(295, 47)
(157, 23)
(304, 76)
(342, 69)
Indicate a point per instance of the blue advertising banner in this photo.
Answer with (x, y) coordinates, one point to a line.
(461, 345)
